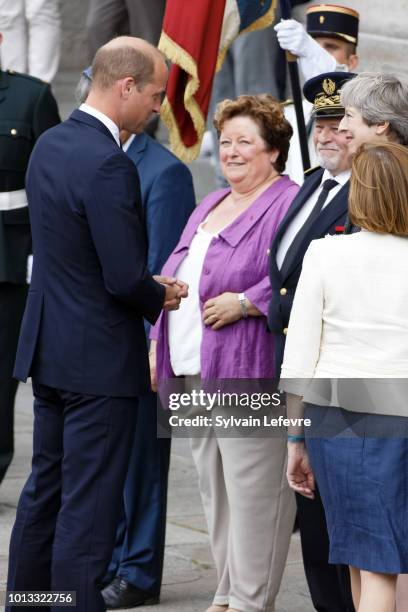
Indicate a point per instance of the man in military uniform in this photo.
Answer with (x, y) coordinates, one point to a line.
(328, 44)
(319, 208)
(27, 108)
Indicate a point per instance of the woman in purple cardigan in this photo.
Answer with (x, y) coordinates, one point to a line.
(220, 332)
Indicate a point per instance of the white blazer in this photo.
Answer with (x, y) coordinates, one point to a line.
(350, 312)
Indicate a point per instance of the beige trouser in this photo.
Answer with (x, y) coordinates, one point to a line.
(250, 512)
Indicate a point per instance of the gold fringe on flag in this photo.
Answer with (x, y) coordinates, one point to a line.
(179, 56)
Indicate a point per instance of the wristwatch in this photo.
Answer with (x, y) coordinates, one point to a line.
(243, 304)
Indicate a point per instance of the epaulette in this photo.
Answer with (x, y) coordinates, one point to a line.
(310, 171)
(29, 77)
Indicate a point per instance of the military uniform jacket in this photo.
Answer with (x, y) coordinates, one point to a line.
(27, 109)
(284, 281)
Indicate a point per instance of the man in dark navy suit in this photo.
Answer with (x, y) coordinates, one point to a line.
(319, 208)
(137, 563)
(135, 572)
(82, 339)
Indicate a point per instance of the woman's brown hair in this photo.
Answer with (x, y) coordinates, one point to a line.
(267, 113)
(378, 199)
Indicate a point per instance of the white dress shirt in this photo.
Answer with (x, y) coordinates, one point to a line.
(297, 223)
(111, 125)
(129, 141)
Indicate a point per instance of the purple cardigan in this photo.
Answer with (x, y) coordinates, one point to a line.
(237, 261)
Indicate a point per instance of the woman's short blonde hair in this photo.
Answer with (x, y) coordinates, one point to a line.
(378, 199)
(267, 113)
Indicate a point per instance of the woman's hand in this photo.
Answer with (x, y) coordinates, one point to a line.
(299, 472)
(175, 291)
(222, 310)
(152, 362)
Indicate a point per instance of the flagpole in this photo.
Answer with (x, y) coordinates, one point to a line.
(286, 9)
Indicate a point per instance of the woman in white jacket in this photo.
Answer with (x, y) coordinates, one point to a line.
(349, 323)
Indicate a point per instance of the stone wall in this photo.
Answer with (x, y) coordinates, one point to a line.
(383, 39)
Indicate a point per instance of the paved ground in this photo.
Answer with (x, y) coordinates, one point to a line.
(189, 576)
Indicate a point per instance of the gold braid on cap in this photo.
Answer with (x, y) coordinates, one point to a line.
(322, 100)
(326, 97)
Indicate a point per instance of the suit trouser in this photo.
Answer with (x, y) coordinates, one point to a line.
(64, 532)
(139, 549)
(32, 34)
(250, 513)
(12, 302)
(329, 585)
(109, 18)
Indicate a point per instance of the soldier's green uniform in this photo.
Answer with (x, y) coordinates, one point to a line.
(27, 108)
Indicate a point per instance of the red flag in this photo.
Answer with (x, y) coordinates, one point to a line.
(190, 39)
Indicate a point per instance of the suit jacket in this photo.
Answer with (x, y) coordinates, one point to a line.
(27, 109)
(83, 326)
(168, 198)
(284, 284)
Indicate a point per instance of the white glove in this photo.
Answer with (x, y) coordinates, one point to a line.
(293, 37)
(313, 59)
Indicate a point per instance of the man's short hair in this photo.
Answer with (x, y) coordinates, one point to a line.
(379, 97)
(111, 64)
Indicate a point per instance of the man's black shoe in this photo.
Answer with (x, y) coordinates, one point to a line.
(121, 594)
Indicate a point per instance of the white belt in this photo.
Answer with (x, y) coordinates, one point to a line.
(13, 199)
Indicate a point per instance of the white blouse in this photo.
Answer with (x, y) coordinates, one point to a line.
(185, 325)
